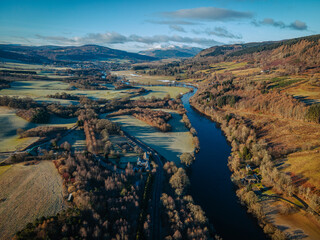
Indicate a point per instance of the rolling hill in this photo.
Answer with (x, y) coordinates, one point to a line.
(48, 54)
(237, 50)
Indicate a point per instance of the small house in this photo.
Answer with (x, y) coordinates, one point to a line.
(70, 197)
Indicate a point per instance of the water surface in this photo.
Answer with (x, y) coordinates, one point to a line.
(211, 186)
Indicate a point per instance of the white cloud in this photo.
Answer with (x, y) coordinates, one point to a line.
(177, 28)
(116, 38)
(296, 25)
(208, 14)
(218, 32)
(171, 22)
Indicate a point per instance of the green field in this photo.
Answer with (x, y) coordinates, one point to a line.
(77, 139)
(162, 91)
(39, 90)
(169, 144)
(132, 76)
(29, 67)
(10, 122)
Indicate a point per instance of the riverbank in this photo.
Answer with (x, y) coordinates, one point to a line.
(211, 186)
(292, 226)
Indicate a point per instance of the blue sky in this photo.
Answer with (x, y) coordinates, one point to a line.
(141, 24)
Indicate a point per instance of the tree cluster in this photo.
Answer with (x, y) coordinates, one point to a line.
(106, 204)
(16, 102)
(157, 119)
(35, 115)
(41, 131)
(64, 95)
(183, 219)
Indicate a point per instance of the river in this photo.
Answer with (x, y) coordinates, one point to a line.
(211, 186)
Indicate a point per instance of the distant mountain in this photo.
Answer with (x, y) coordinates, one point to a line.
(172, 52)
(48, 54)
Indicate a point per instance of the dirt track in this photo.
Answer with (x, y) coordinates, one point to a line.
(27, 193)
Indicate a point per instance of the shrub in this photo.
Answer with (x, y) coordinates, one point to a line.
(313, 113)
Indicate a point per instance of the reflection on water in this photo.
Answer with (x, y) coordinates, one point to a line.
(211, 186)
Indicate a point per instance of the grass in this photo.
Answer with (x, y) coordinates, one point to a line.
(28, 67)
(34, 89)
(283, 82)
(169, 144)
(258, 185)
(142, 78)
(269, 192)
(305, 164)
(10, 122)
(297, 202)
(27, 193)
(234, 67)
(228, 66)
(162, 91)
(77, 139)
(306, 92)
(3, 169)
(296, 225)
(38, 90)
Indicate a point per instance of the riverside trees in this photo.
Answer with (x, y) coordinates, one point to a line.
(183, 218)
(187, 159)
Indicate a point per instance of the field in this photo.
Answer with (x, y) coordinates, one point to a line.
(225, 66)
(132, 76)
(38, 90)
(10, 122)
(4, 168)
(284, 82)
(169, 144)
(29, 67)
(305, 92)
(162, 91)
(77, 139)
(292, 224)
(305, 164)
(27, 193)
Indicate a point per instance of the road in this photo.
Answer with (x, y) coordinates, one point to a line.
(157, 189)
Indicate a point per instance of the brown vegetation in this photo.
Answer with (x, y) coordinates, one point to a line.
(156, 119)
(41, 131)
(182, 217)
(35, 115)
(107, 203)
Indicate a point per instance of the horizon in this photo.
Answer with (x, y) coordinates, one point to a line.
(142, 25)
(143, 50)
